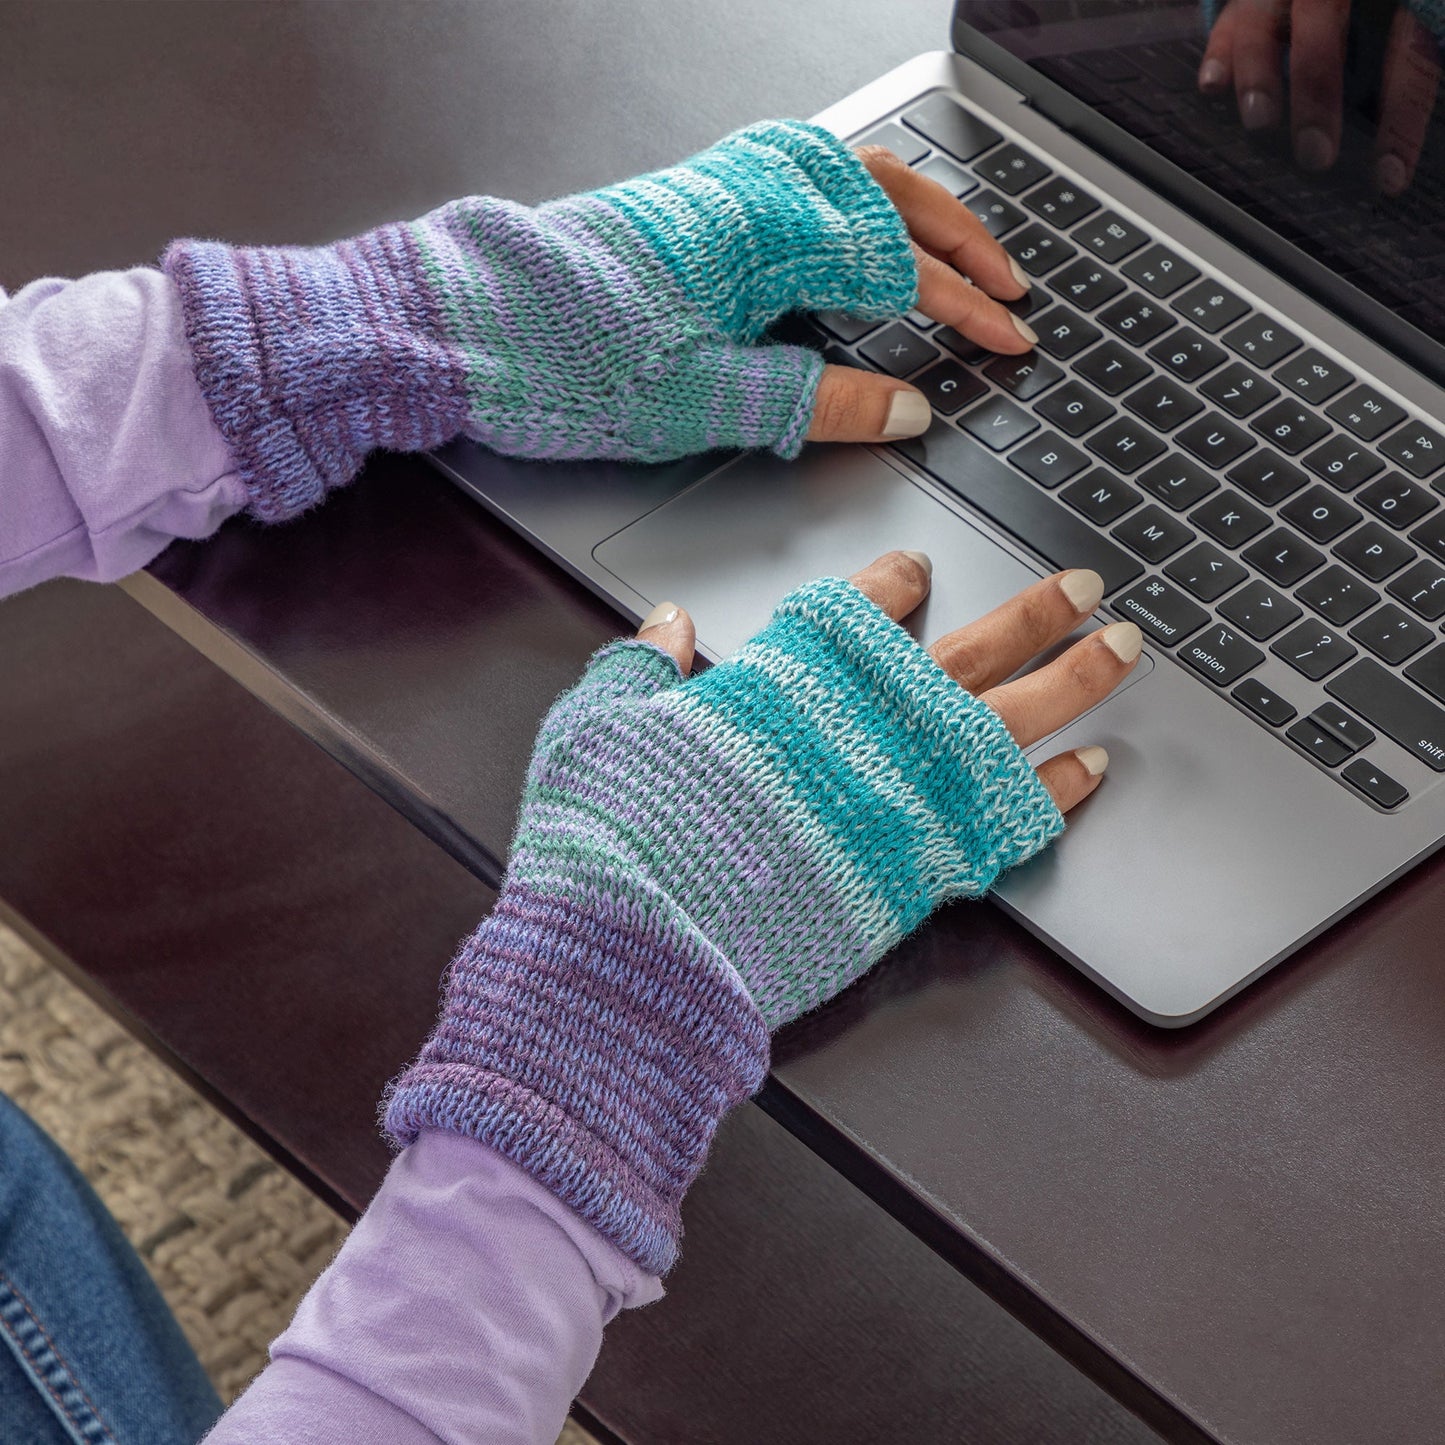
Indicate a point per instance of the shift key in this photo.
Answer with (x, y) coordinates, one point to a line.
(1005, 497)
(1394, 707)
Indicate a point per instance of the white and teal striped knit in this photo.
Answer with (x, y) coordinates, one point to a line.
(696, 864)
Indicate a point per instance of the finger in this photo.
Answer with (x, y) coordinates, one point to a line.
(1317, 78)
(1258, 62)
(667, 626)
(862, 406)
(1216, 70)
(1032, 707)
(897, 582)
(941, 223)
(1409, 85)
(980, 655)
(945, 296)
(1071, 777)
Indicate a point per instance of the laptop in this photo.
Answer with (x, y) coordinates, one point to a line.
(1236, 414)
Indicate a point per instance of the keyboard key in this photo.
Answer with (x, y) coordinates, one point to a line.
(1337, 596)
(1113, 368)
(847, 328)
(1086, 284)
(1238, 390)
(1177, 481)
(951, 128)
(1061, 202)
(1339, 724)
(1429, 671)
(1318, 743)
(1163, 403)
(1290, 427)
(1313, 376)
(1038, 250)
(1313, 650)
(1100, 496)
(1034, 300)
(1220, 654)
(1075, 408)
(1125, 445)
(1267, 477)
(1283, 557)
(1378, 786)
(998, 423)
(1263, 341)
(1187, 354)
(1153, 534)
(1160, 272)
(1048, 459)
(1260, 610)
(1012, 169)
(1366, 413)
(904, 144)
(1024, 376)
(1161, 611)
(899, 350)
(1391, 635)
(1396, 708)
(1263, 702)
(988, 483)
(1210, 305)
(1319, 514)
(1064, 333)
(949, 386)
(1374, 551)
(963, 347)
(1215, 440)
(1110, 237)
(1137, 319)
(1228, 518)
(1398, 502)
(1343, 462)
(1205, 572)
(997, 216)
(954, 179)
(1431, 536)
(1422, 590)
(1416, 448)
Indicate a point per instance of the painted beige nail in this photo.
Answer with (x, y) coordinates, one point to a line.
(1024, 329)
(1313, 149)
(1094, 759)
(923, 560)
(1391, 175)
(1084, 589)
(909, 415)
(1258, 110)
(660, 616)
(1212, 75)
(1019, 274)
(1124, 640)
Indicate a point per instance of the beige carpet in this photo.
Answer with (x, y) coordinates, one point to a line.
(231, 1239)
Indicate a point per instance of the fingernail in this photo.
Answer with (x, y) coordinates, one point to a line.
(1313, 149)
(909, 415)
(1024, 329)
(1391, 175)
(923, 560)
(1258, 109)
(1212, 75)
(1123, 639)
(1094, 759)
(1019, 274)
(660, 616)
(1084, 589)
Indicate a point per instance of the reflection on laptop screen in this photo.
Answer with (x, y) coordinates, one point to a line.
(1371, 205)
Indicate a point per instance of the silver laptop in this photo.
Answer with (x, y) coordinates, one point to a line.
(1220, 418)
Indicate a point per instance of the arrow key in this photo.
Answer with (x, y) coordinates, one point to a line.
(1264, 702)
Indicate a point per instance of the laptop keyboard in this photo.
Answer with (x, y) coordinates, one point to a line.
(1243, 493)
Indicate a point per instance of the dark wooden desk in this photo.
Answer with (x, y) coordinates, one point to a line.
(1236, 1229)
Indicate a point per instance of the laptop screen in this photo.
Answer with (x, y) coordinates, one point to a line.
(1322, 119)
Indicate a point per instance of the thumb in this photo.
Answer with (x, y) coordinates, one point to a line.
(862, 406)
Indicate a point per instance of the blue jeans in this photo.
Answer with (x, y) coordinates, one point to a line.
(89, 1352)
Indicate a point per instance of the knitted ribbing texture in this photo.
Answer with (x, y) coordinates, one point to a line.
(622, 323)
(696, 863)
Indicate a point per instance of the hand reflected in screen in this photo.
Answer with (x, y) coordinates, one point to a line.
(1255, 43)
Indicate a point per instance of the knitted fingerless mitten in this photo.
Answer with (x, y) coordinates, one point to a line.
(696, 863)
(616, 324)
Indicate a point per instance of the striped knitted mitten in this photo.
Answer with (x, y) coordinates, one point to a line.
(619, 324)
(696, 863)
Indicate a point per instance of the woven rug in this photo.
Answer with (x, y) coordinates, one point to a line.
(232, 1240)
